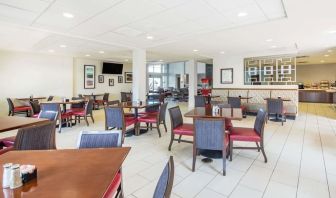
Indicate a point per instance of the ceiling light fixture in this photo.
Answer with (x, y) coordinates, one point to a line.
(150, 37)
(326, 55)
(87, 55)
(101, 52)
(273, 46)
(242, 14)
(269, 40)
(51, 51)
(222, 52)
(63, 46)
(322, 61)
(126, 60)
(160, 60)
(195, 50)
(68, 15)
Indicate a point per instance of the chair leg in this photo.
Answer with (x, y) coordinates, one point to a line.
(263, 151)
(60, 125)
(258, 146)
(194, 160)
(179, 141)
(86, 120)
(231, 149)
(224, 160)
(171, 141)
(92, 118)
(164, 124)
(158, 128)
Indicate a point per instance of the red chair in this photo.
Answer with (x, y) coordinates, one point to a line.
(12, 110)
(255, 134)
(178, 127)
(87, 112)
(103, 101)
(158, 119)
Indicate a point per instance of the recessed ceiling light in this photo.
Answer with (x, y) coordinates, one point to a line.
(126, 60)
(222, 52)
(326, 55)
(51, 51)
(150, 37)
(101, 52)
(68, 15)
(322, 61)
(63, 46)
(269, 40)
(273, 46)
(195, 50)
(160, 60)
(329, 51)
(332, 31)
(242, 14)
(87, 55)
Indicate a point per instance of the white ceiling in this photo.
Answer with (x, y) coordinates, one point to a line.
(177, 27)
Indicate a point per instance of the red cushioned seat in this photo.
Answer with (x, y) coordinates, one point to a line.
(22, 108)
(66, 115)
(185, 129)
(78, 113)
(130, 120)
(35, 115)
(5, 150)
(75, 110)
(148, 113)
(7, 142)
(148, 119)
(228, 124)
(113, 187)
(243, 108)
(244, 134)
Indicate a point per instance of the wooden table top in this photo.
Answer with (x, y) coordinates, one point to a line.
(67, 173)
(93, 94)
(204, 112)
(283, 99)
(63, 102)
(139, 106)
(33, 98)
(8, 123)
(211, 96)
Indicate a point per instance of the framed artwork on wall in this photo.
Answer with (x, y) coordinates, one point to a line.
(128, 77)
(100, 78)
(120, 79)
(111, 82)
(89, 76)
(226, 76)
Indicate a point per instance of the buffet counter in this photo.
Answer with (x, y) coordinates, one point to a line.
(317, 95)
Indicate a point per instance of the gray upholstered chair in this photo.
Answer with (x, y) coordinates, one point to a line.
(157, 119)
(63, 118)
(125, 96)
(275, 107)
(37, 137)
(50, 115)
(235, 102)
(115, 118)
(165, 184)
(104, 139)
(178, 127)
(200, 101)
(209, 135)
(255, 134)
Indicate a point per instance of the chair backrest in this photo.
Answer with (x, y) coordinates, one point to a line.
(78, 105)
(199, 101)
(35, 106)
(38, 137)
(80, 95)
(165, 184)
(176, 118)
(99, 139)
(50, 98)
(114, 117)
(234, 102)
(274, 105)
(89, 107)
(125, 96)
(106, 96)
(260, 121)
(162, 114)
(152, 108)
(10, 104)
(209, 133)
(113, 103)
(50, 115)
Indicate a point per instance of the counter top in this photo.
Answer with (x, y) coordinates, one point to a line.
(323, 90)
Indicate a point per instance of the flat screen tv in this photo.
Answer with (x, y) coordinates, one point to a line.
(112, 68)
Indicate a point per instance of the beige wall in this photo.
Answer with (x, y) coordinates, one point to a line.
(23, 74)
(316, 73)
(100, 87)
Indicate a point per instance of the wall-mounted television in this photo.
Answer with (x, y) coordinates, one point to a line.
(112, 68)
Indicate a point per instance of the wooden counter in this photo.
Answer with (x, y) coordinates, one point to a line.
(316, 95)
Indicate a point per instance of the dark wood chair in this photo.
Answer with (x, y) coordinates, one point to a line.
(166, 180)
(63, 117)
(210, 135)
(12, 110)
(275, 107)
(84, 114)
(102, 101)
(38, 137)
(157, 119)
(36, 108)
(50, 98)
(104, 139)
(178, 127)
(255, 134)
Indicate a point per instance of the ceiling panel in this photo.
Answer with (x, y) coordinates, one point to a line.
(272, 8)
(228, 5)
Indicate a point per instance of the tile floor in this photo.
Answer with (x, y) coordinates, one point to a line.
(301, 160)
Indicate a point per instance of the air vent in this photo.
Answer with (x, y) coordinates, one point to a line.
(302, 57)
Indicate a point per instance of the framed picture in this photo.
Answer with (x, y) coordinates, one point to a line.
(100, 78)
(226, 76)
(111, 82)
(89, 76)
(128, 77)
(120, 79)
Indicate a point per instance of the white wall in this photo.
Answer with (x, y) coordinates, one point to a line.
(23, 74)
(316, 73)
(237, 63)
(100, 87)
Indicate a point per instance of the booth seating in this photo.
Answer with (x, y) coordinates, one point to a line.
(258, 96)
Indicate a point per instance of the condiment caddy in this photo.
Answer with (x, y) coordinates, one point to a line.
(15, 176)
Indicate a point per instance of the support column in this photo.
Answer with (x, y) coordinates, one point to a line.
(139, 69)
(191, 70)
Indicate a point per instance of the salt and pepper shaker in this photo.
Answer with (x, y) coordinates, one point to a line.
(15, 177)
(6, 175)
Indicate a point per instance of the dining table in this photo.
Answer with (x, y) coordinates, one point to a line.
(32, 98)
(8, 123)
(206, 112)
(75, 173)
(63, 103)
(283, 99)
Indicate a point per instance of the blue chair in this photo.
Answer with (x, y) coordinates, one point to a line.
(200, 101)
(165, 184)
(209, 134)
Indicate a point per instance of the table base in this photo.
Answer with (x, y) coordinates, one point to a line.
(211, 154)
(131, 132)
